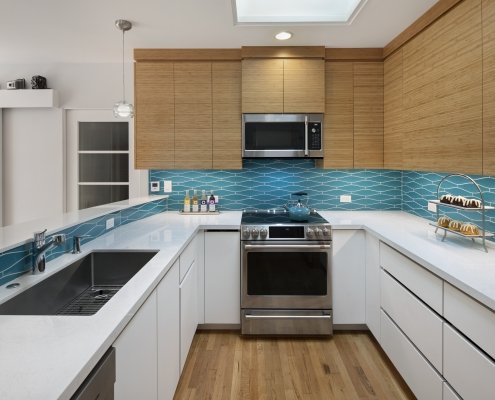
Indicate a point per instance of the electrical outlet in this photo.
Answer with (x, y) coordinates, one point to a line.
(167, 186)
(432, 207)
(110, 223)
(345, 198)
(155, 186)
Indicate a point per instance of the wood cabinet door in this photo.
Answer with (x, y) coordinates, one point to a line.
(154, 119)
(193, 115)
(442, 72)
(368, 115)
(339, 116)
(226, 99)
(304, 86)
(263, 86)
(488, 87)
(392, 111)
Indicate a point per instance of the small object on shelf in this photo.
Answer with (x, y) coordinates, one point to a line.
(444, 221)
(38, 82)
(204, 202)
(211, 203)
(195, 203)
(464, 229)
(469, 229)
(16, 84)
(187, 203)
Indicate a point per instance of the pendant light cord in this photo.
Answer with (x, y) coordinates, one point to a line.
(123, 66)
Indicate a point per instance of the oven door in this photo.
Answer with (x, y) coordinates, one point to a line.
(286, 275)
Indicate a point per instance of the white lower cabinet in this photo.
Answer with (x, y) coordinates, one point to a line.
(200, 263)
(348, 277)
(373, 285)
(448, 393)
(418, 322)
(188, 311)
(168, 329)
(420, 376)
(135, 355)
(222, 277)
(469, 371)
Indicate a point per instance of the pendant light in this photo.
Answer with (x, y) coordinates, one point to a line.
(122, 109)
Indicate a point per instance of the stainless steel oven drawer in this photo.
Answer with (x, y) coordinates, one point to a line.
(286, 322)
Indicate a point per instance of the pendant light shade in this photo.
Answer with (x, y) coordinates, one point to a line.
(122, 109)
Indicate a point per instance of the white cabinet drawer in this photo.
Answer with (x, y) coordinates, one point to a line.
(474, 320)
(470, 372)
(417, 279)
(421, 325)
(187, 257)
(448, 393)
(420, 376)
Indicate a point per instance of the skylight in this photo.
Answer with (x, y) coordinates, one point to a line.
(296, 11)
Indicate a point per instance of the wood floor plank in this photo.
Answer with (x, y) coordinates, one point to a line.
(347, 366)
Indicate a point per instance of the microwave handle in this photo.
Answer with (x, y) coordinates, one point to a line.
(306, 150)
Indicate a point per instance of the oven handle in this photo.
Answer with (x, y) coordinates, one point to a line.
(249, 316)
(306, 150)
(287, 246)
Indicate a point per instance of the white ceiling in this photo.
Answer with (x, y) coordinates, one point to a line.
(83, 30)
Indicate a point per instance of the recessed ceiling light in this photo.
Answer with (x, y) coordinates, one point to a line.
(269, 12)
(283, 35)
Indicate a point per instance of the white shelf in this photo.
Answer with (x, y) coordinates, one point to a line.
(28, 98)
(438, 202)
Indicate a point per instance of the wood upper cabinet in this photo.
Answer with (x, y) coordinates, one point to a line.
(304, 85)
(283, 85)
(339, 116)
(392, 112)
(226, 101)
(442, 94)
(488, 87)
(262, 86)
(368, 115)
(154, 120)
(193, 115)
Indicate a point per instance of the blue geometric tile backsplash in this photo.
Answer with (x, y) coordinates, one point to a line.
(17, 261)
(268, 184)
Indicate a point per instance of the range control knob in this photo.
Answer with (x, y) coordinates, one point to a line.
(245, 233)
(326, 232)
(318, 232)
(255, 232)
(309, 232)
(263, 233)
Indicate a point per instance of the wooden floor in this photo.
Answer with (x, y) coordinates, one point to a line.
(224, 365)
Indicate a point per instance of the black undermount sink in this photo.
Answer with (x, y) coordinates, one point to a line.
(81, 288)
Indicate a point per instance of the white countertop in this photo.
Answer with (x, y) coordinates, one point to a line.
(48, 357)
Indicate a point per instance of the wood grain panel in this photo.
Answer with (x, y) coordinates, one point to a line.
(442, 73)
(186, 54)
(227, 366)
(368, 115)
(262, 86)
(428, 18)
(193, 115)
(392, 112)
(154, 119)
(283, 52)
(354, 54)
(488, 87)
(339, 116)
(304, 86)
(226, 100)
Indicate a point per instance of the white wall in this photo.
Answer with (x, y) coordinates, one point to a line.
(34, 139)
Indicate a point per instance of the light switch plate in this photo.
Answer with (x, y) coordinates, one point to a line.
(155, 186)
(432, 207)
(110, 223)
(345, 198)
(167, 186)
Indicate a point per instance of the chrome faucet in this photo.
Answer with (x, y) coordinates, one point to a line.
(41, 246)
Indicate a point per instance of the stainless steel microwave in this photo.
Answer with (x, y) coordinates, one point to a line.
(282, 135)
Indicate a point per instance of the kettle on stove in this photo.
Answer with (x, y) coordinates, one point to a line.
(298, 206)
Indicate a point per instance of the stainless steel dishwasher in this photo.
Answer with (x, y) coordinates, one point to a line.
(100, 381)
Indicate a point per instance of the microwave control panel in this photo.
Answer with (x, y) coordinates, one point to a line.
(314, 133)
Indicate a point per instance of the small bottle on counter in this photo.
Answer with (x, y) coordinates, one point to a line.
(187, 202)
(204, 202)
(211, 203)
(195, 205)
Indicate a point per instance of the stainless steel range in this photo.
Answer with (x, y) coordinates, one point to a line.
(285, 274)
